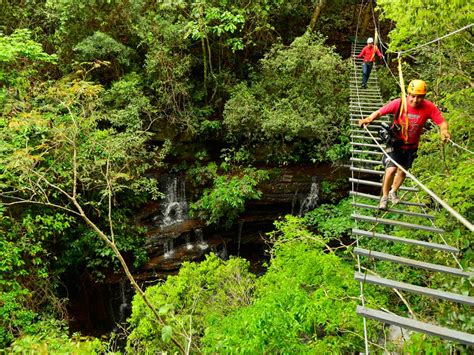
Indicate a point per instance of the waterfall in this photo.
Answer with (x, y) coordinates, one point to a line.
(174, 209)
(187, 240)
(200, 238)
(239, 237)
(168, 248)
(293, 202)
(311, 201)
(124, 307)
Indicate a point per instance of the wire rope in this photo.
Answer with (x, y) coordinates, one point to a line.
(361, 284)
(435, 40)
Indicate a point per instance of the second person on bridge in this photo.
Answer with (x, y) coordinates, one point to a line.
(407, 129)
(368, 55)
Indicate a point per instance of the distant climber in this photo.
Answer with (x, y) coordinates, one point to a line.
(406, 136)
(368, 54)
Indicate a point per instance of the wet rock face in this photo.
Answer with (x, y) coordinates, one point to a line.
(173, 237)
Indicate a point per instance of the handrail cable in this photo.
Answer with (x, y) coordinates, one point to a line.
(454, 213)
(452, 142)
(422, 186)
(361, 284)
(435, 40)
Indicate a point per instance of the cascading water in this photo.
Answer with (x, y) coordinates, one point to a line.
(175, 208)
(188, 244)
(124, 308)
(168, 248)
(293, 202)
(311, 201)
(239, 237)
(200, 238)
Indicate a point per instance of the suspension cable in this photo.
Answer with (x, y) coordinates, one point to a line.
(435, 40)
(361, 284)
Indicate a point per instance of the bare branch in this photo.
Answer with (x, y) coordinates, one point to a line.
(43, 204)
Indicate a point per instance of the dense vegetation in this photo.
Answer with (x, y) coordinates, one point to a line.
(96, 94)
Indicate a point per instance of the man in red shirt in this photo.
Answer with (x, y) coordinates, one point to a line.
(368, 53)
(419, 111)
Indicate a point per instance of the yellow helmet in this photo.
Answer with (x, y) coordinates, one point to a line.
(417, 87)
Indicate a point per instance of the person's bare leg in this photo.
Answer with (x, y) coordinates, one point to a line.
(398, 181)
(388, 180)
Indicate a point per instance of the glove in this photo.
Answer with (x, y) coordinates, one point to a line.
(445, 135)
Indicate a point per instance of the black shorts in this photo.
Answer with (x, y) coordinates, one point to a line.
(404, 157)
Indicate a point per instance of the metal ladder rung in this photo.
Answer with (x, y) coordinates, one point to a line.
(372, 79)
(372, 125)
(372, 99)
(407, 323)
(356, 108)
(368, 145)
(356, 116)
(355, 99)
(358, 92)
(379, 184)
(425, 291)
(357, 86)
(366, 105)
(357, 95)
(392, 222)
(364, 112)
(367, 171)
(361, 131)
(392, 238)
(411, 262)
(370, 102)
(369, 152)
(377, 124)
(392, 210)
(366, 161)
(367, 137)
(374, 197)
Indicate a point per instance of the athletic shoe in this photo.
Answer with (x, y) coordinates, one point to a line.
(392, 196)
(383, 203)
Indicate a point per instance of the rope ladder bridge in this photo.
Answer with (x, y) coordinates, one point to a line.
(377, 229)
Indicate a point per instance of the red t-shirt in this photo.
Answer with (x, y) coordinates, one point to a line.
(416, 118)
(369, 53)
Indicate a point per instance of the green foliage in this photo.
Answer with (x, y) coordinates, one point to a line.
(51, 337)
(226, 199)
(102, 46)
(126, 104)
(210, 289)
(330, 190)
(443, 65)
(20, 59)
(297, 96)
(412, 18)
(331, 221)
(27, 283)
(305, 302)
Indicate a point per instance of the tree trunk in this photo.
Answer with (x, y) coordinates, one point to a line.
(316, 12)
(365, 21)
